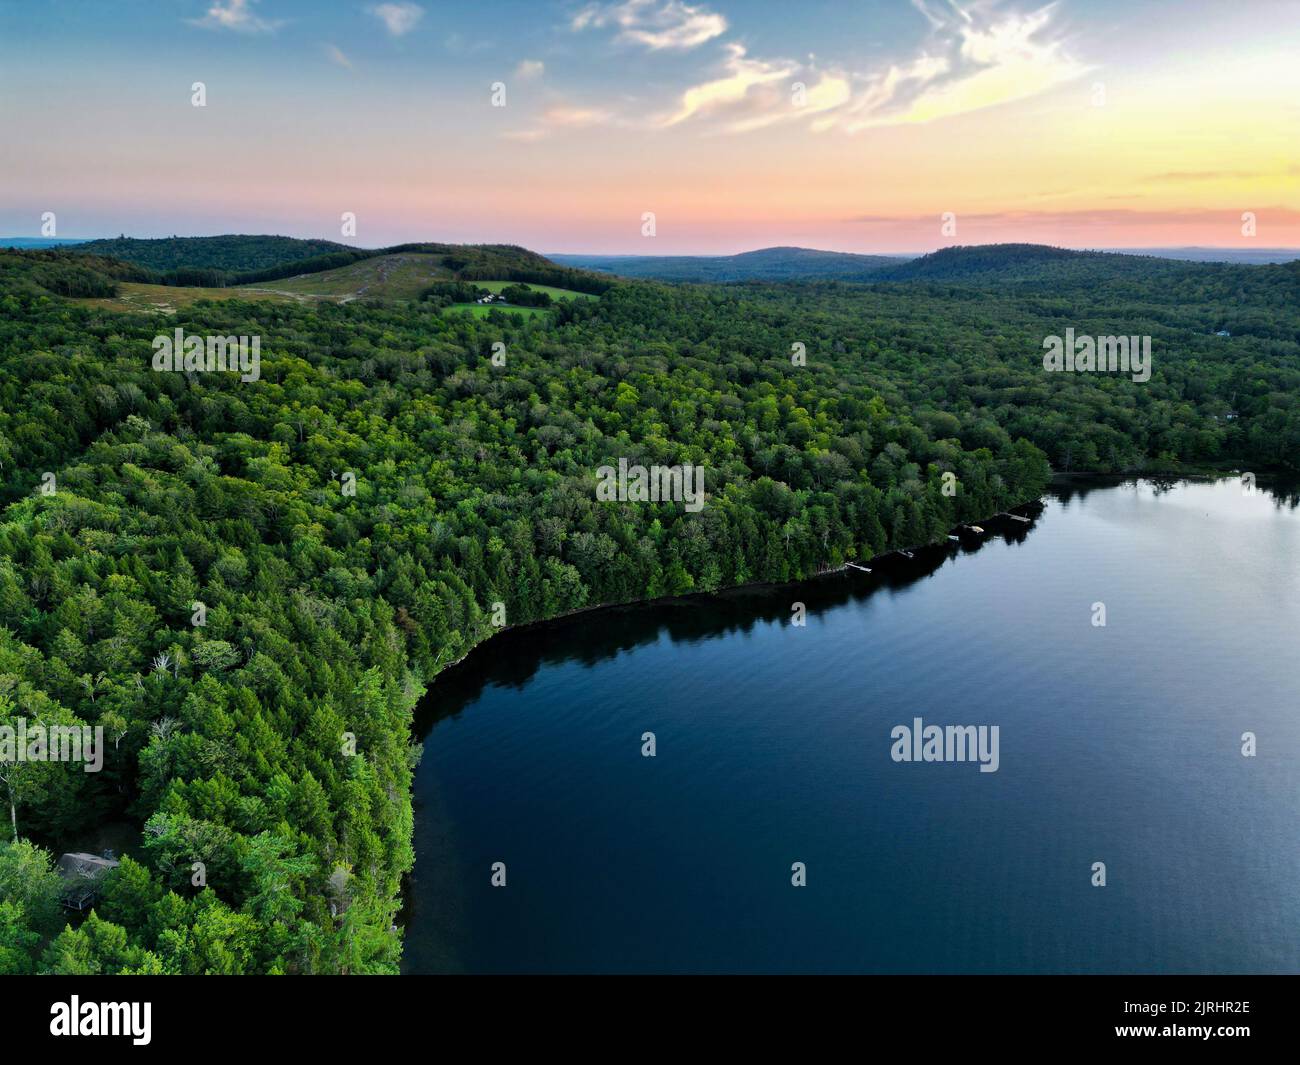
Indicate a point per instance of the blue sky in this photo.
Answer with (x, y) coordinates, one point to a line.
(986, 109)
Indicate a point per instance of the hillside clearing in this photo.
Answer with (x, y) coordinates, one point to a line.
(399, 276)
(136, 296)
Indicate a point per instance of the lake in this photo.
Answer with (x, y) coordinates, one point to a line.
(1119, 744)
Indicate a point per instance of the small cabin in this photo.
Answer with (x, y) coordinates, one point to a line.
(82, 874)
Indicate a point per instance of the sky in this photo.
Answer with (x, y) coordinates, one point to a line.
(853, 125)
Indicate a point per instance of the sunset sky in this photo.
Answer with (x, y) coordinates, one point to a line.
(1083, 123)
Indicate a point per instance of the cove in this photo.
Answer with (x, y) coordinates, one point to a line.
(1120, 744)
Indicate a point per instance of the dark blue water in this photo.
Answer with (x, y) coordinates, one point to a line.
(1118, 744)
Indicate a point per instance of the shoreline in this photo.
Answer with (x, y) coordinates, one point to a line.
(664, 600)
(1058, 479)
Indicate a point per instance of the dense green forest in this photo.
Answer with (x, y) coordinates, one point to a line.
(232, 253)
(348, 521)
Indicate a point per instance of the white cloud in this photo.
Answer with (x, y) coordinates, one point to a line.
(777, 103)
(882, 90)
(978, 56)
(234, 15)
(398, 18)
(742, 75)
(656, 24)
(981, 55)
(529, 68)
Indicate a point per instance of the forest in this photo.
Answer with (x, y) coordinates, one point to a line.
(248, 585)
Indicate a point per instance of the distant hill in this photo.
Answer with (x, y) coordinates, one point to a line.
(1219, 255)
(402, 272)
(236, 259)
(1022, 262)
(1114, 280)
(60, 272)
(408, 271)
(39, 242)
(1007, 262)
(229, 253)
(766, 264)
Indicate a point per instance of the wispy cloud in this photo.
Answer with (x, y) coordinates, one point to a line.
(741, 75)
(235, 15)
(335, 55)
(529, 69)
(981, 55)
(398, 18)
(1091, 218)
(656, 24)
(1183, 177)
(977, 56)
(561, 117)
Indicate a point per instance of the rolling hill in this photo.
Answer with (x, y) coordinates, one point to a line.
(232, 253)
(1244, 256)
(403, 275)
(39, 242)
(452, 276)
(310, 269)
(765, 264)
(1019, 262)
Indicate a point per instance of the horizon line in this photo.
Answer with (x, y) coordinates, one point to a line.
(1114, 249)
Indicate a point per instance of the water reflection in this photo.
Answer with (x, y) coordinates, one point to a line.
(512, 658)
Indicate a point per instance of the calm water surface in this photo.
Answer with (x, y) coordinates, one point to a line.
(1119, 744)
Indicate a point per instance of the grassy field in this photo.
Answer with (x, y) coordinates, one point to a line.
(133, 296)
(399, 277)
(554, 293)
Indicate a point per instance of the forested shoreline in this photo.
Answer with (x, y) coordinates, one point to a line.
(386, 496)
